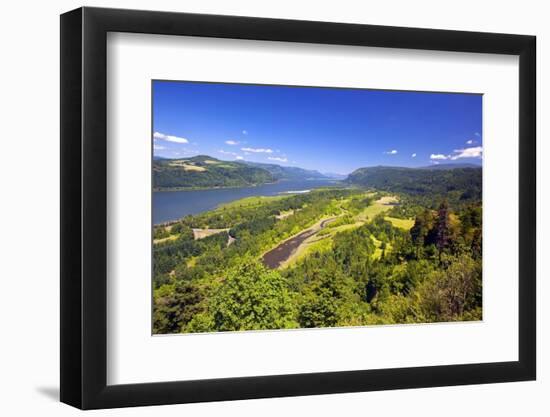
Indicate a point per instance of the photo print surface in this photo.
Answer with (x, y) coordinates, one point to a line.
(286, 207)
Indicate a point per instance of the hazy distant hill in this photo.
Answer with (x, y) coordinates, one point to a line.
(287, 173)
(466, 183)
(334, 176)
(204, 171)
(451, 166)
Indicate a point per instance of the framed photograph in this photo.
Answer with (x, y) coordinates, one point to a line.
(258, 208)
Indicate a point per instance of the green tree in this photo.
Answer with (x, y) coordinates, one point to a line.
(252, 298)
(419, 231)
(318, 308)
(448, 294)
(477, 244)
(442, 227)
(175, 306)
(334, 287)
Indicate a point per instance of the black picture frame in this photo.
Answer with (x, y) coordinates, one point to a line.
(84, 207)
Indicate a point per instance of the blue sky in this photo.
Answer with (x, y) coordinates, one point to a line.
(327, 129)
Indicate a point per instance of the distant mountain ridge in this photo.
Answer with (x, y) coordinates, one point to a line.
(451, 166)
(334, 176)
(204, 171)
(280, 172)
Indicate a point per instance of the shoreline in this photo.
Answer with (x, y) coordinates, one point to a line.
(275, 257)
(281, 194)
(229, 187)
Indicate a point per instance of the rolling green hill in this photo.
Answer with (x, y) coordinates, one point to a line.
(205, 172)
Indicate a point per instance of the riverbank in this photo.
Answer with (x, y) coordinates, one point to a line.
(173, 205)
(280, 254)
(229, 187)
(295, 247)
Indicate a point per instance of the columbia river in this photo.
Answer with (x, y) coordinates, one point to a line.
(172, 205)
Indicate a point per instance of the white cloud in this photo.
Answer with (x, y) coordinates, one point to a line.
(277, 159)
(392, 152)
(435, 162)
(245, 132)
(413, 155)
(477, 134)
(474, 152)
(469, 142)
(257, 150)
(231, 142)
(235, 154)
(158, 147)
(169, 138)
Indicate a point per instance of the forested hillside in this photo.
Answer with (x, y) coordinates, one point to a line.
(205, 172)
(458, 184)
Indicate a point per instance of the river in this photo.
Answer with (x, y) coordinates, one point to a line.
(275, 257)
(172, 205)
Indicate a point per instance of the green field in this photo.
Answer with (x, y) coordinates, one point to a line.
(317, 244)
(378, 251)
(405, 224)
(248, 202)
(370, 212)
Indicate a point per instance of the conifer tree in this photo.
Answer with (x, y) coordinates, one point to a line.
(442, 227)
